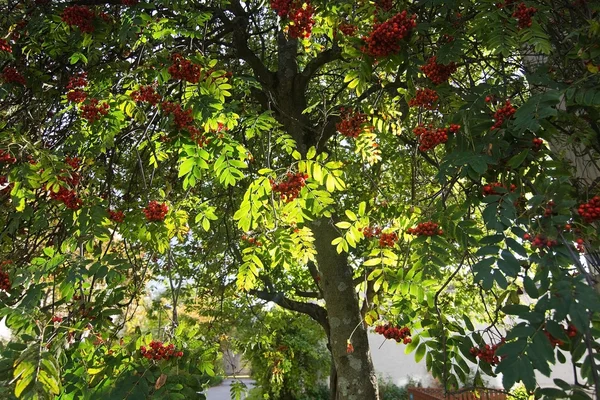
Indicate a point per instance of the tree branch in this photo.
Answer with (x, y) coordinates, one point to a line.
(314, 311)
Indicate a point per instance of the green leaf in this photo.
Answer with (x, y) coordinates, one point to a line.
(420, 352)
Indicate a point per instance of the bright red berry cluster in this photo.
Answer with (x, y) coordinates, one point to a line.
(281, 7)
(425, 229)
(523, 15)
(56, 319)
(299, 12)
(430, 137)
(68, 197)
(184, 69)
(77, 81)
(11, 75)
(183, 118)
(580, 245)
(537, 144)
(348, 29)
(302, 21)
(79, 16)
(93, 111)
(158, 351)
(371, 231)
(502, 114)
(77, 96)
(385, 37)
(425, 98)
(116, 216)
(155, 211)
(352, 122)
(146, 94)
(4, 278)
(6, 157)
(5, 46)
(388, 239)
(487, 353)
(438, 73)
(393, 332)
(590, 211)
(490, 188)
(290, 188)
(540, 241)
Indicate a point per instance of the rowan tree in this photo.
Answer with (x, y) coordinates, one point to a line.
(409, 167)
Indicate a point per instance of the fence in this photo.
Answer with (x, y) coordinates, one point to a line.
(418, 393)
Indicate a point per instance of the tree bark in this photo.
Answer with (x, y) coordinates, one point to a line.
(356, 378)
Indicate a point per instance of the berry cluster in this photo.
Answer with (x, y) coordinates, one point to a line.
(116, 216)
(393, 332)
(570, 331)
(580, 245)
(78, 81)
(502, 114)
(290, 188)
(425, 98)
(352, 122)
(490, 188)
(159, 351)
(155, 211)
(371, 231)
(182, 118)
(281, 7)
(183, 69)
(553, 341)
(129, 3)
(430, 137)
(6, 157)
(300, 13)
(549, 209)
(77, 96)
(11, 75)
(523, 15)
(146, 94)
(438, 73)
(4, 278)
(388, 239)
(425, 229)
(540, 241)
(537, 144)
(68, 197)
(487, 353)
(302, 21)
(348, 29)
(93, 112)
(252, 241)
(590, 211)
(385, 37)
(5, 46)
(56, 319)
(73, 162)
(79, 16)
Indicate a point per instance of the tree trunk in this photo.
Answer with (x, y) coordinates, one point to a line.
(356, 378)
